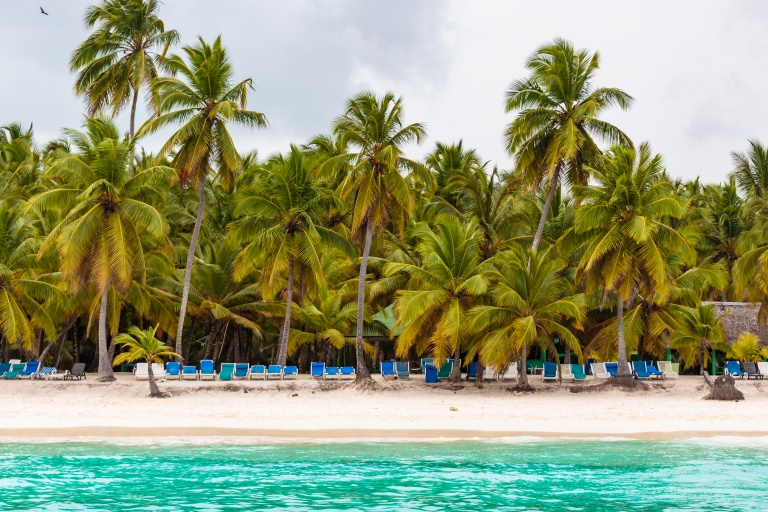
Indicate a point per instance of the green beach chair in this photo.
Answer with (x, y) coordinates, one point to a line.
(227, 369)
(445, 370)
(15, 370)
(425, 361)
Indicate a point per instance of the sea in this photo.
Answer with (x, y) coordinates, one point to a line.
(208, 474)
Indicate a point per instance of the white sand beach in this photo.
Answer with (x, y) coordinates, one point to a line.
(673, 409)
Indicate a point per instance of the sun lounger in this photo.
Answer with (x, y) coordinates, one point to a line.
(332, 371)
(173, 369)
(550, 372)
(257, 370)
(141, 371)
(44, 373)
(14, 361)
(638, 368)
(425, 361)
(30, 368)
(599, 371)
(762, 367)
(226, 371)
(291, 371)
(317, 371)
(207, 370)
(472, 371)
(577, 371)
(388, 369)
(4, 368)
(77, 372)
(751, 370)
(347, 371)
(509, 373)
(403, 370)
(274, 370)
(445, 370)
(189, 372)
(733, 368)
(241, 371)
(655, 372)
(611, 368)
(15, 370)
(666, 368)
(567, 372)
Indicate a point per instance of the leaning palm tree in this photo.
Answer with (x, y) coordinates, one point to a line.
(532, 302)
(143, 345)
(700, 330)
(558, 118)
(625, 221)
(434, 307)
(206, 100)
(373, 132)
(280, 231)
(109, 217)
(751, 170)
(121, 56)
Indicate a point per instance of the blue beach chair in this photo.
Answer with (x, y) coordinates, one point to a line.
(30, 369)
(612, 368)
(425, 361)
(550, 372)
(241, 371)
(44, 373)
(347, 371)
(289, 371)
(403, 370)
(332, 371)
(207, 370)
(638, 368)
(189, 372)
(472, 371)
(317, 370)
(173, 369)
(388, 368)
(4, 368)
(274, 370)
(654, 372)
(226, 371)
(258, 370)
(733, 368)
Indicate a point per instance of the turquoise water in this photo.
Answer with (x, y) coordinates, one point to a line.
(477, 476)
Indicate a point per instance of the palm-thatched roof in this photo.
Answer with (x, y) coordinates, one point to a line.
(739, 317)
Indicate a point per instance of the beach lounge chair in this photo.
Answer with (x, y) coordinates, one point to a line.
(666, 368)
(347, 371)
(388, 369)
(733, 368)
(207, 370)
(567, 372)
(142, 371)
(638, 368)
(577, 371)
(611, 368)
(550, 372)
(189, 372)
(226, 371)
(258, 370)
(762, 367)
(472, 371)
(317, 370)
(173, 369)
(289, 371)
(4, 367)
(77, 372)
(445, 370)
(510, 372)
(15, 370)
(655, 372)
(403, 370)
(751, 370)
(274, 370)
(44, 373)
(14, 361)
(600, 372)
(332, 371)
(425, 361)
(30, 368)
(241, 371)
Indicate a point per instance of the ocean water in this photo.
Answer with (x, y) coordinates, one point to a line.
(713, 474)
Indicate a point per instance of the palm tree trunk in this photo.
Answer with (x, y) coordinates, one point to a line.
(210, 345)
(545, 211)
(362, 369)
(701, 357)
(283, 352)
(132, 132)
(154, 391)
(623, 370)
(105, 365)
(188, 269)
(57, 342)
(522, 379)
(456, 370)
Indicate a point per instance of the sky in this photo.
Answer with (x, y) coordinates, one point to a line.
(697, 70)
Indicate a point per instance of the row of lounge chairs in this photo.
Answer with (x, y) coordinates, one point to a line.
(321, 371)
(15, 369)
(207, 370)
(746, 369)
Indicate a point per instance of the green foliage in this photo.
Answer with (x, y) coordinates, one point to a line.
(142, 345)
(748, 348)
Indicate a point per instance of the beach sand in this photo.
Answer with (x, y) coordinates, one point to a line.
(408, 409)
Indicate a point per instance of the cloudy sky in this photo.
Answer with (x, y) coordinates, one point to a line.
(697, 70)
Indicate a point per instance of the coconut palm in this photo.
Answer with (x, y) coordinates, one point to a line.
(121, 56)
(700, 330)
(101, 237)
(445, 162)
(558, 118)
(205, 100)
(748, 347)
(532, 302)
(373, 132)
(750, 169)
(433, 309)
(143, 345)
(625, 219)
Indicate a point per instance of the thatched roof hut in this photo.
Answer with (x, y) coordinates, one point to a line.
(740, 317)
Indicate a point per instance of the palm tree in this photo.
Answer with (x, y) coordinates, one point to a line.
(751, 170)
(101, 237)
(280, 231)
(700, 330)
(434, 307)
(625, 218)
(205, 100)
(445, 162)
(559, 108)
(143, 345)
(372, 130)
(121, 56)
(532, 302)
(748, 347)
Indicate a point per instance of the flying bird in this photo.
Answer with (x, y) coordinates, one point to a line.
(42, 11)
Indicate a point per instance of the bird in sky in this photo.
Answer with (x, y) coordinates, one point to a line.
(42, 11)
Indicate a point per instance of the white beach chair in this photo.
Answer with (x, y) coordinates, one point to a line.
(567, 372)
(669, 373)
(599, 371)
(762, 367)
(158, 371)
(510, 373)
(141, 371)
